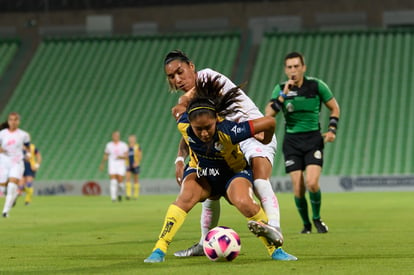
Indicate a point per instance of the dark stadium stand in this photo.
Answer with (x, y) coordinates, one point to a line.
(8, 49)
(371, 75)
(75, 92)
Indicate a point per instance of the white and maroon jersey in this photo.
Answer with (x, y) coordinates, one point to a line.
(13, 142)
(115, 150)
(246, 104)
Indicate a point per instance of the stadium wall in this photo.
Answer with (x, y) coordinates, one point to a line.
(279, 185)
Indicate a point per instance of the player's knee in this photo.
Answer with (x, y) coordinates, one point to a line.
(245, 205)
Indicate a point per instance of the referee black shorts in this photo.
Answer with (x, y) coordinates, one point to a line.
(302, 149)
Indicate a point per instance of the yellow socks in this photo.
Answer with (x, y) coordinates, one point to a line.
(174, 218)
(29, 194)
(136, 190)
(128, 189)
(261, 217)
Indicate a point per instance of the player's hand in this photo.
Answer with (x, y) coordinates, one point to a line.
(328, 137)
(259, 136)
(179, 171)
(290, 83)
(101, 167)
(178, 110)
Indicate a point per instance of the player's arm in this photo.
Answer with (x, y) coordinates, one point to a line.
(182, 154)
(265, 125)
(276, 102)
(138, 156)
(38, 159)
(333, 107)
(104, 159)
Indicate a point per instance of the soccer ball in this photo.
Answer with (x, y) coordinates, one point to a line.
(221, 244)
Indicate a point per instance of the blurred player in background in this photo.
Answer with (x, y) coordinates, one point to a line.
(32, 161)
(300, 98)
(133, 166)
(116, 153)
(182, 75)
(3, 125)
(218, 167)
(12, 143)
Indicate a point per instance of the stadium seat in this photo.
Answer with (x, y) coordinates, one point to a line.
(77, 91)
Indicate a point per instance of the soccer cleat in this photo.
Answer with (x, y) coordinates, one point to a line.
(280, 255)
(195, 250)
(320, 226)
(272, 234)
(5, 215)
(157, 256)
(307, 229)
(120, 198)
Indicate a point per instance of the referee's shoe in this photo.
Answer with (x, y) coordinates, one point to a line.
(320, 226)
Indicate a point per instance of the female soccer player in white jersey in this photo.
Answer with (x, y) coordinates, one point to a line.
(116, 153)
(182, 75)
(12, 142)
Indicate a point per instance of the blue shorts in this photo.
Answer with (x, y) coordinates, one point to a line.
(220, 182)
(28, 172)
(133, 170)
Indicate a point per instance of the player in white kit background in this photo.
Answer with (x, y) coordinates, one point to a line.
(116, 153)
(12, 142)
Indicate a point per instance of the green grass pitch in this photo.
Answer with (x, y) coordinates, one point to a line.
(370, 233)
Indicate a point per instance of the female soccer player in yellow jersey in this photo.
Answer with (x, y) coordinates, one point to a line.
(133, 166)
(217, 166)
(32, 161)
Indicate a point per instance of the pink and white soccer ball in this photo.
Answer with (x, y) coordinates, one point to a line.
(222, 244)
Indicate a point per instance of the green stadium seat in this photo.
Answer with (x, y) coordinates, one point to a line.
(81, 90)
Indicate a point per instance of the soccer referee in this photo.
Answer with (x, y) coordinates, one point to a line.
(300, 99)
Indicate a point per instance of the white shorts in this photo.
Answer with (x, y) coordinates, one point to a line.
(10, 169)
(253, 148)
(116, 168)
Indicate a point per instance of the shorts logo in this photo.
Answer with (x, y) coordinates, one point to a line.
(317, 154)
(259, 150)
(289, 163)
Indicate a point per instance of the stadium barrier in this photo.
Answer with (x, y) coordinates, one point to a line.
(279, 185)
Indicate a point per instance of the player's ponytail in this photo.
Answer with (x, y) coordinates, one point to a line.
(210, 98)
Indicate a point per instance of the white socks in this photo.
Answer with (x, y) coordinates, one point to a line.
(268, 200)
(11, 196)
(210, 215)
(113, 187)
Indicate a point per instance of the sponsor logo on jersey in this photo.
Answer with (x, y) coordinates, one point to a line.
(236, 130)
(218, 146)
